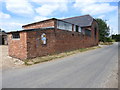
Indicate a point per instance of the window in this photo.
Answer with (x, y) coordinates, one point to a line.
(16, 36)
(80, 29)
(64, 25)
(87, 32)
(74, 27)
(83, 31)
(77, 28)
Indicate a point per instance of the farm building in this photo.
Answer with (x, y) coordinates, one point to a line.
(3, 38)
(53, 36)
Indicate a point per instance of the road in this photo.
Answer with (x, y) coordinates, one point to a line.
(83, 70)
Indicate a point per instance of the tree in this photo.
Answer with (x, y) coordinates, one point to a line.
(116, 37)
(104, 30)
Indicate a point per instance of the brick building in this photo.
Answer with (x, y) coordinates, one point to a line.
(53, 36)
(3, 38)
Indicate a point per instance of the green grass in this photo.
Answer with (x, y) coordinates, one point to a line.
(55, 56)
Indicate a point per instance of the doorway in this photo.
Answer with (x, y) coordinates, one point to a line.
(3, 42)
(77, 28)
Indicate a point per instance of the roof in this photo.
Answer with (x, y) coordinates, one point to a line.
(83, 21)
(2, 33)
(26, 30)
(44, 21)
(39, 22)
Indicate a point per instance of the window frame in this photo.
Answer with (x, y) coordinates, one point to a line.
(16, 36)
(64, 25)
(88, 33)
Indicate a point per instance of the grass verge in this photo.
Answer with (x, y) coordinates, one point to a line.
(106, 43)
(55, 56)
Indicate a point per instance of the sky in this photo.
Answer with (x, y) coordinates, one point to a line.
(15, 13)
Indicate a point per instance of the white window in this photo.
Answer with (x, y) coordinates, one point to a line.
(79, 29)
(74, 27)
(64, 25)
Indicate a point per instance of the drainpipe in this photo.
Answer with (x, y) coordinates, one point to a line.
(55, 25)
(73, 27)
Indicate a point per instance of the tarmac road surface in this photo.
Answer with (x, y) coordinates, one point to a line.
(83, 70)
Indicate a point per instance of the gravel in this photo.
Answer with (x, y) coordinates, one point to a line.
(7, 62)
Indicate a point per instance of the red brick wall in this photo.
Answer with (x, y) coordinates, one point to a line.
(92, 41)
(57, 41)
(49, 23)
(35, 47)
(18, 47)
(97, 34)
(66, 40)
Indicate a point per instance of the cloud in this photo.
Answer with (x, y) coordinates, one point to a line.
(93, 8)
(48, 8)
(40, 18)
(4, 16)
(10, 26)
(44, 9)
(107, 0)
(50, 1)
(42, 1)
(91, 1)
(101, 16)
(21, 7)
(113, 23)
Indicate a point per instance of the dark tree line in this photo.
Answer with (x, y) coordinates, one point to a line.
(116, 37)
